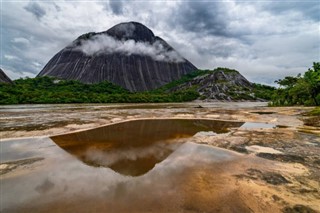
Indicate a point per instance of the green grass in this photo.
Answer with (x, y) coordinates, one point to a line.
(315, 112)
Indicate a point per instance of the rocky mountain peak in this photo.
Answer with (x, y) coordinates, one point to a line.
(132, 30)
(128, 55)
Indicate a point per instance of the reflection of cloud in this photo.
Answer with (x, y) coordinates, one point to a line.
(73, 183)
(45, 187)
(104, 44)
(107, 158)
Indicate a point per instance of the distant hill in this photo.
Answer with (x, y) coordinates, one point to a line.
(4, 78)
(128, 55)
(221, 84)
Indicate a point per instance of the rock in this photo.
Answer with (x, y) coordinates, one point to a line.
(220, 84)
(128, 55)
(239, 148)
(274, 178)
(269, 177)
(276, 198)
(282, 157)
(4, 78)
(299, 209)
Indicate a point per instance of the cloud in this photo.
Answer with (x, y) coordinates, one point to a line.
(21, 41)
(264, 40)
(11, 57)
(309, 9)
(116, 6)
(35, 9)
(202, 17)
(104, 44)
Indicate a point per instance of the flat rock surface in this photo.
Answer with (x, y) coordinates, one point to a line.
(252, 169)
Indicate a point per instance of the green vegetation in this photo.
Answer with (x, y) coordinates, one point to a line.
(263, 91)
(315, 112)
(182, 80)
(300, 90)
(42, 90)
(86, 36)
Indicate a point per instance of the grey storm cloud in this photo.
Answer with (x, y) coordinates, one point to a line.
(310, 9)
(35, 9)
(202, 17)
(116, 6)
(264, 40)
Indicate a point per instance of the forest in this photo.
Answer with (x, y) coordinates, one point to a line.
(304, 89)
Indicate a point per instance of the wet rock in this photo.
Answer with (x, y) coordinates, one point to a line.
(313, 121)
(274, 178)
(263, 113)
(9, 166)
(239, 148)
(254, 172)
(276, 198)
(282, 157)
(269, 177)
(316, 162)
(298, 209)
(304, 190)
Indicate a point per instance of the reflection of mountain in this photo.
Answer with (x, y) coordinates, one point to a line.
(134, 147)
(128, 55)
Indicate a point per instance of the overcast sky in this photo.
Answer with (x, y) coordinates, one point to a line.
(264, 40)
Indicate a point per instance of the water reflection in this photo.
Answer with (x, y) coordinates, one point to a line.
(135, 147)
(252, 125)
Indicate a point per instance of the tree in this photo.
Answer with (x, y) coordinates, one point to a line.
(312, 77)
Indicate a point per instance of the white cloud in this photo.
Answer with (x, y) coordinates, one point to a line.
(21, 40)
(11, 57)
(104, 44)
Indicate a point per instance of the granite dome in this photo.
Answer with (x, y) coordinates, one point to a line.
(128, 55)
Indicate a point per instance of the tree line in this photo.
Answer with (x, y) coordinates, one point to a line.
(300, 90)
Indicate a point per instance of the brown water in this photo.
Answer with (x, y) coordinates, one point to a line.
(136, 166)
(133, 148)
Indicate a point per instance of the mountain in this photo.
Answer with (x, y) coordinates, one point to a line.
(4, 78)
(218, 84)
(128, 55)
